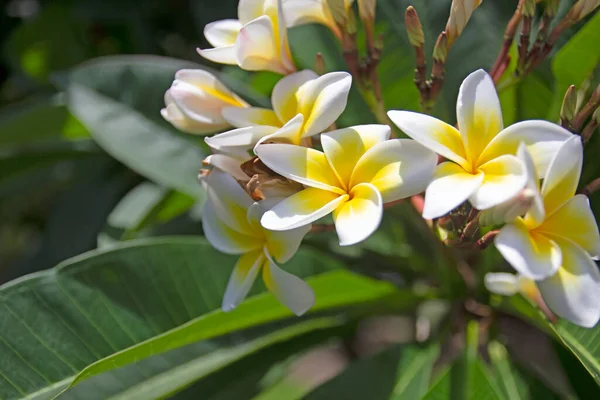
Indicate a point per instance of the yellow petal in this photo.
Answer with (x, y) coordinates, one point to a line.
(503, 178)
(356, 219)
(244, 117)
(284, 98)
(241, 279)
(224, 238)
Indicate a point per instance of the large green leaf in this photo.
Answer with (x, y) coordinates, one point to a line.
(478, 387)
(414, 371)
(582, 47)
(119, 100)
(55, 323)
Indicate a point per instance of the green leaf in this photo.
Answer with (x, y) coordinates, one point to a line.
(414, 371)
(181, 376)
(119, 100)
(509, 382)
(478, 387)
(378, 370)
(55, 323)
(582, 47)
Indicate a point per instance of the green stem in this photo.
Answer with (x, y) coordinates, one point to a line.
(460, 373)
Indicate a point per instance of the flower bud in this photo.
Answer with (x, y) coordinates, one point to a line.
(529, 8)
(440, 50)
(460, 12)
(338, 10)
(195, 100)
(366, 9)
(551, 8)
(582, 8)
(569, 105)
(413, 27)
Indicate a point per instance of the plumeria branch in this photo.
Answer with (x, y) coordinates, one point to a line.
(503, 58)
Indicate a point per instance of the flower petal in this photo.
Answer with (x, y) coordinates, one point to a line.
(562, 177)
(241, 138)
(503, 178)
(252, 116)
(573, 292)
(289, 133)
(478, 112)
(249, 10)
(432, 133)
(221, 55)
(241, 279)
(306, 166)
(227, 163)
(533, 255)
(282, 245)
(356, 219)
(323, 100)
(173, 115)
(398, 168)
(300, 12)
(542, 138)
(575, 221)
(344, 147)
(222, 33)
(301, 209)
(256, 49)
(502, 283)
(230, 201)
(290, 290)
(210, 84)
(283, 97)
(222, 237)
(450, 187)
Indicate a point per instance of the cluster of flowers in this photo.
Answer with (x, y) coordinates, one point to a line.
(262, 207)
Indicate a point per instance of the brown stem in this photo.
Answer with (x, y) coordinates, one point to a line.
(392, 203)
(509, 34)
(591, 187)
(437, 73)
(317, 228)
(351, 55)
(421, 73)
(487, 239)
(588, 131)
(470, 228)
(524, 44)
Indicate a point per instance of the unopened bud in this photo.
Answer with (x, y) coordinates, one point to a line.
(529, 8)
(413, 27)
(440, 51)
(366, 9)
(596, 116)
(596, 96)
(338, 11)
(320, 64)
(460, 12)
(582, 8)
(551, 8)
(569, 105)
(351, 25)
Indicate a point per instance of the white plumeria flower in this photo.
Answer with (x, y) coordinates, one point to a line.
(507, 284)
(195, 100)
(555, 241)
(359, 171)
(304, 105)
(482, 165)
(257, 41)
(231, 223)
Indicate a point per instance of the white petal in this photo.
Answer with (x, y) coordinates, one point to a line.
(284, 47)
(323, 100)
(502, 283)
(221, 55)
(290, 290)
(222, 237)
(542, 138)
(283, 97)
(241, 280)
(306, 166)
(173, 115)
(250, 9)
(398, 168)
(478, 112)
(241, 138)
(300, 12)
(533, 255)
(227, 163)
(256, 49)
(290, 133)
(575, 221)
(196, 104)
(573, 292)
(344, 147)
(282, 245)
(356, 219)
(301, 209)
(230, 201)
(222, 33)
(562, 177)
(450, 187)
(503, 178)
(251, 116)
(210, 84)
(432, 133)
